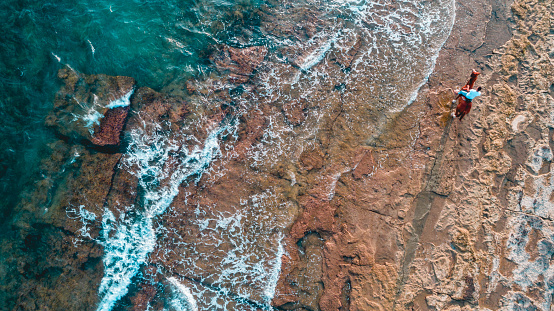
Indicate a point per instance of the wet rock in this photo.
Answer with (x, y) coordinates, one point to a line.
(365, 167)
(91, 108)
(353, 44)
(238, 63)
(143, 299)
(109, 131)
(91, 183)
(252, 127)
(52, 233)
(152, 109)
(312, 159)
(414, 162)
(295, 111)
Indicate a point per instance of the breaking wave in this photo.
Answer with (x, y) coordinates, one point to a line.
(128, 240)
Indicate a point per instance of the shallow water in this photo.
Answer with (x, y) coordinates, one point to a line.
(161, 42)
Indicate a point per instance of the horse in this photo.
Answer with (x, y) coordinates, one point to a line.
(464, 105)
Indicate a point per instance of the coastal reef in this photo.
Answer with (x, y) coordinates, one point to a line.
(323, 171)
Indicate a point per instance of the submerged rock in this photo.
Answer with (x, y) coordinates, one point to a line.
(238, 63)
(91, 108)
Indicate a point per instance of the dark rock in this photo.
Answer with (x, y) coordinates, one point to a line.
(144, 296)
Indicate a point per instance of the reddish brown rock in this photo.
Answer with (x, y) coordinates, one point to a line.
(124, 190)
(142, 300)
(252, 125)
(366, 166)
(312, 159)
(239, 63)
(317, 216)
(295, 111)
(109, 131)
(345, 59)
(150, 108)
(413, 215)
(89, 190)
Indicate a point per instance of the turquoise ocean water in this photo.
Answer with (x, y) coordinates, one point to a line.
(155, 42)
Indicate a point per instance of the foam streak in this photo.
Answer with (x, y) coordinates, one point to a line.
(128, 241)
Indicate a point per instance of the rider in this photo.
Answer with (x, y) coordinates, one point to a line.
(471, 94)
(464, 106)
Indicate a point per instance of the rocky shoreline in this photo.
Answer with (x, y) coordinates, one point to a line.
(289, 192)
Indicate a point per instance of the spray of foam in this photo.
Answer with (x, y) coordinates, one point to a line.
(319, 53)
(274, 271)
(85, 217)
(403, 41)
(128, 240)
(182, 297)
(316, 56)
(399, 52)
(56, 57)
(92, 49)
(90, 116)
(248, 271)
(126, 243)
(243, 276)
(452, 14)
(123, 101)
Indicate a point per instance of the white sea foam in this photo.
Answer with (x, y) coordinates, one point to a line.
(128, 240)
(275, 270)
(319, 53)
(85, 217)
(92, 49)
(399, 50)
(89, 115)
(91, 118)
(183, 299)
(438, 48)
(244, 248)
(401, 44)
(57, 57)
(123, 101)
